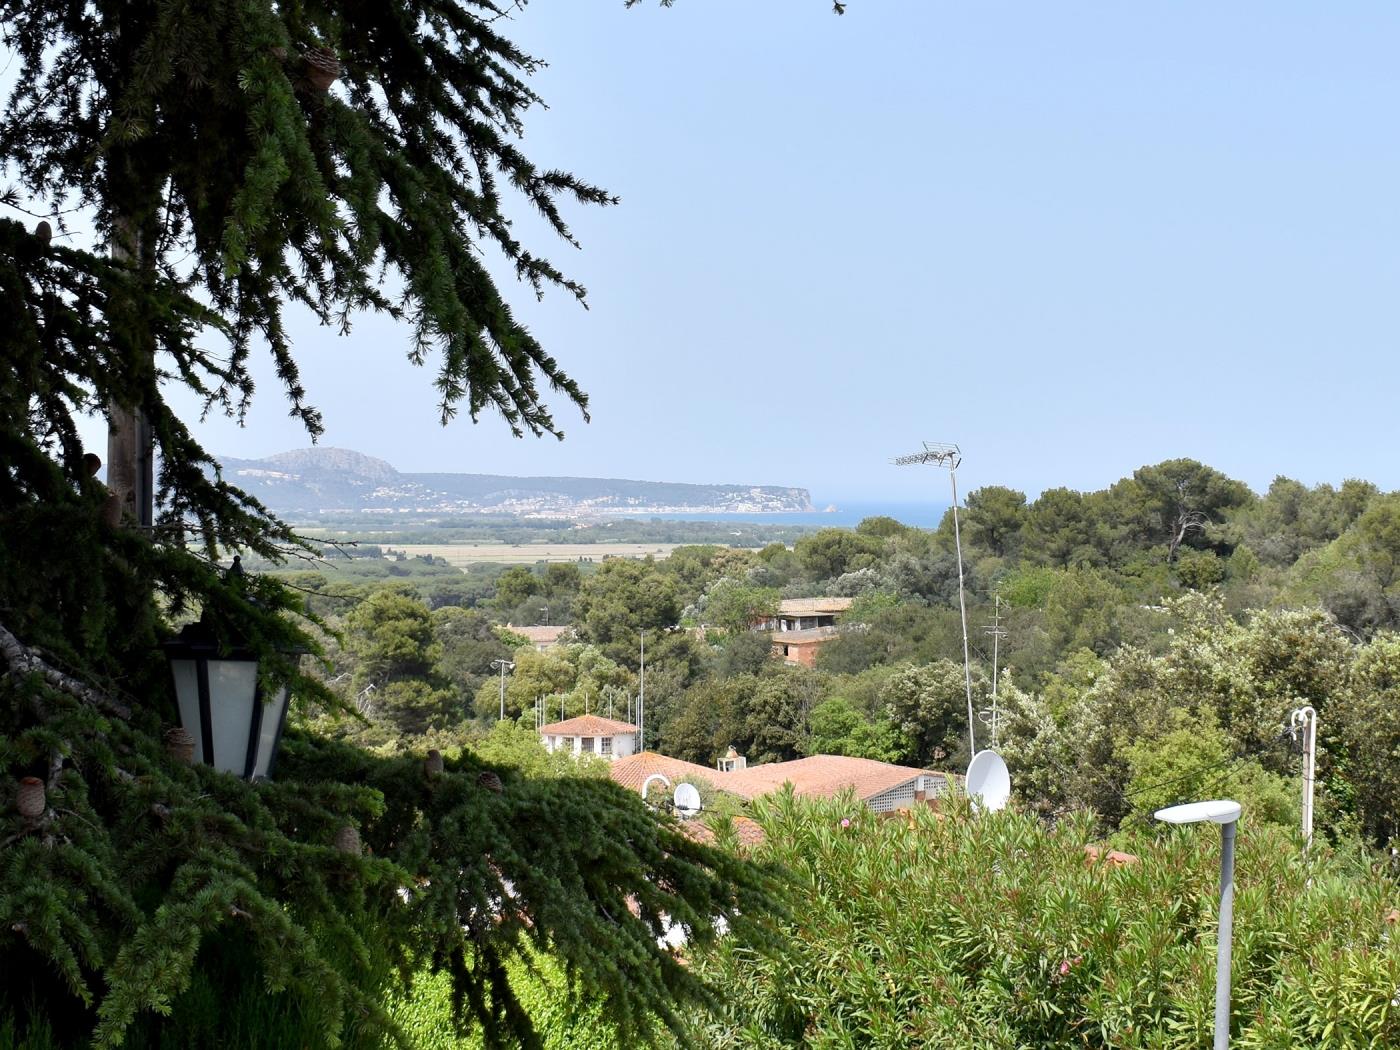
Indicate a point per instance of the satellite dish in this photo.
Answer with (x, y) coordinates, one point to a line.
(988, 781)
(687, 800)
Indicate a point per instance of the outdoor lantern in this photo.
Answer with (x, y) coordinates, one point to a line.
(236, 726)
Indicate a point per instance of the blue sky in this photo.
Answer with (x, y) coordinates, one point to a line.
(1074, 238)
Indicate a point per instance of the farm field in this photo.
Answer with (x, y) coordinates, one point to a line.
(464, 554)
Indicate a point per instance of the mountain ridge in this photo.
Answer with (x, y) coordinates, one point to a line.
(338, 480)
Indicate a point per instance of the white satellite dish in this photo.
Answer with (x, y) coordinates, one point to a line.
(687, 800)
(988, 781)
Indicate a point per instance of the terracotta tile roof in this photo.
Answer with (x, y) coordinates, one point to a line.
(631, 771)
(813, 606)
(542, 635)
(587, 725)
(749, 831)
(821, 776)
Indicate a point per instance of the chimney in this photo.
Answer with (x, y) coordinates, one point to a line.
(731, 761)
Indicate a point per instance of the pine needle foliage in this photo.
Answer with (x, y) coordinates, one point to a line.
(244, 157)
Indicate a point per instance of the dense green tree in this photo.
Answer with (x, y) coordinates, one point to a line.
(881, 526)
(776, 708)
(516, 586)
(927, 705)
(467, 643)
(707, 720)
(829, 553)
(238, 158)
(838, 727)
(622, 599)
(994, 518)
(1056, 529)
(697, 567)
(1366, 731)
(735, 607)
(390, 634)
(1378, 531)
(1179, 499)
(750, 652)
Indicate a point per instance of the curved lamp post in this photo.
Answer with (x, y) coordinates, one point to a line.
(236, 726)
(1226, 813)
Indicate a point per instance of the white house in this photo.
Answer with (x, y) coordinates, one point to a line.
(591, 735)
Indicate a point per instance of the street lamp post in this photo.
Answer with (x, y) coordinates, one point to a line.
(1226, 813)
(950, 456)
(503, 666)
(1305, 718)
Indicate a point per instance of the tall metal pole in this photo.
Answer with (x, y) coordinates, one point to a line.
(962, 607)
(503, 665)
(1226, 813)
(998, 633)
(950, 456)
(642, 697)
(1222, 947)
(1306, 717)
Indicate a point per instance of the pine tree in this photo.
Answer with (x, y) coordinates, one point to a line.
(238, 157)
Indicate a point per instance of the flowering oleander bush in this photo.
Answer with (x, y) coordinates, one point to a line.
(959, 931)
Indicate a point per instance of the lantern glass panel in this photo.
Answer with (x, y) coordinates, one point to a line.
(232, 685)
(269, 730)
(187, 693)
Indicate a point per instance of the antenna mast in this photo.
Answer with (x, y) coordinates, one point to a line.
(950, 456)
(998, 632)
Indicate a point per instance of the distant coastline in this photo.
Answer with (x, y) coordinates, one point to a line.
(845, 516)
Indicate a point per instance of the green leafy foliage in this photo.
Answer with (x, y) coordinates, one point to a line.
(949, 930)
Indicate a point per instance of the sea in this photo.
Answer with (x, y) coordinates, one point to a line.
(835, 515)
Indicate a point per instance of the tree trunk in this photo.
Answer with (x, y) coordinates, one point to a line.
(130, 448)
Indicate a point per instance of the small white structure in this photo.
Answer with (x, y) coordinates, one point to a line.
(591, 735)
(731, 761)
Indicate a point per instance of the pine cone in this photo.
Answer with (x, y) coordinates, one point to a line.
(490, 781)
(29, 799)
(347, 840)
(432, 765)
(322, 68)
(179, 745)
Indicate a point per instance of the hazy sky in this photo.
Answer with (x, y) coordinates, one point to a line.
(1074, 238)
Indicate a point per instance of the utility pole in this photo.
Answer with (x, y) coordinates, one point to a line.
(1305, 719)
(998, 632)
(950, 456)
(503, 666)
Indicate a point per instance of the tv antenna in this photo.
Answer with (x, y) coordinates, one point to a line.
(941, 454)
(998, 632)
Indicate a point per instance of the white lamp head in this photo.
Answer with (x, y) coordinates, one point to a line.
(1217, 811)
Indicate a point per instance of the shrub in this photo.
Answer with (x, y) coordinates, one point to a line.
(963, 932)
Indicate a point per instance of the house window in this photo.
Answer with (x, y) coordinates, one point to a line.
(553, 742)
(605, 745)
(586, 745)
